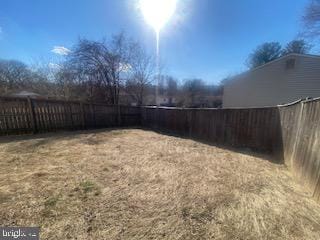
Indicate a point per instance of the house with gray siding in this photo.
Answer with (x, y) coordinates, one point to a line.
(284, 80)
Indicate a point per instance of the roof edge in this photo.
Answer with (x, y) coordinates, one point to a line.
(276, 60)
(283, 57)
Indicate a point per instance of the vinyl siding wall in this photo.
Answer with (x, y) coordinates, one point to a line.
(274, 84)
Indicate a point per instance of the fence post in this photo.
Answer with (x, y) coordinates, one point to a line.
(5, 120)
(190, 121)
(93, 115)
(298, 134)
(119, 114)
(157, 117)
(82, 116)
(48, 112)
(32, 116)
(71, 116)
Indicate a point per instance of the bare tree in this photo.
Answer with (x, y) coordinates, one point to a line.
(142, 71)
(68, 85)
(171, 87)
(103, 65)
(14, 75)
(44, 77)
(264, 53)
(297, 46)
(192, 90)
(311, 19)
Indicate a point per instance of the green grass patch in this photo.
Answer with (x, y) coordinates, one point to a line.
(90, 187)
(51, 201)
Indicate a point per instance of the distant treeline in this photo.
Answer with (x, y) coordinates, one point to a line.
(112, 72)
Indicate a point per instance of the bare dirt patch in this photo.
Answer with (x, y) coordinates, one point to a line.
(135, 184)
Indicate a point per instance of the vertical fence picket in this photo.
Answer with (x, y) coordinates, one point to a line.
(82, 116)
(32, 116)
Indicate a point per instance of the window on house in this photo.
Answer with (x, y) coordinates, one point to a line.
(290, 63)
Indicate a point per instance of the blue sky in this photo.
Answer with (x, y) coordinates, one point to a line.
(208, 39)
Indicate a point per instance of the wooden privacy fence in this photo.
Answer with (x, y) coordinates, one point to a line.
(300, 129)
(256, 128)
(290, 132)
(25, 115)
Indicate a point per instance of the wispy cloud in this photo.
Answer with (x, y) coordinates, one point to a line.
(60, 50)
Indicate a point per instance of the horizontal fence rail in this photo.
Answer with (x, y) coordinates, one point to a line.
(25, 115)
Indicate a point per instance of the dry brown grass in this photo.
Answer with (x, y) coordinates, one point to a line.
(135, 184)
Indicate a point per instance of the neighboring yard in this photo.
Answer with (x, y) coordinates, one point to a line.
(135, 184)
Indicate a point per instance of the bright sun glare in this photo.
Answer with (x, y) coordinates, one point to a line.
(157, 12)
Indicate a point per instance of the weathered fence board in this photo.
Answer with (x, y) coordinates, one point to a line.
(14, 116)
(290, 121)
(25, 115)
(130, 116)
(300, 125)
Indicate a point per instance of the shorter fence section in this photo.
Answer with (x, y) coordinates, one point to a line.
(25, 115)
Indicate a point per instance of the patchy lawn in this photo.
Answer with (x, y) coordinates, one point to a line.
(135, 184)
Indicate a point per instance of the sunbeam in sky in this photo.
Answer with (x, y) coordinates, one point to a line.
(157, 13)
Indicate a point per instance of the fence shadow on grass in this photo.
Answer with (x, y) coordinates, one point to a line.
(257, 129)
(242, 150)
(58, 135)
